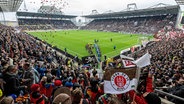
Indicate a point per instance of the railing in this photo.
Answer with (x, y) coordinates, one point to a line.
(168, 94)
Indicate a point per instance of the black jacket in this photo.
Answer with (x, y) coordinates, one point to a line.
(12, 85)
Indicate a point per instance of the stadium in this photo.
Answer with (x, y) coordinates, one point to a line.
(130, 56)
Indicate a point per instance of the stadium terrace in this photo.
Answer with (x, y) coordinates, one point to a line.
(135, 56)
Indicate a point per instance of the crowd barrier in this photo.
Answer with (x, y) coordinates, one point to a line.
(170, 95)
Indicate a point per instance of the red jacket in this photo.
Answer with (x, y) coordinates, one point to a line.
(140, 99)
(42, 88)
(38, 99)
(49, 88)
(94, 95)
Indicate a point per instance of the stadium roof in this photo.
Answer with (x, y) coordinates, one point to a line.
(31, 14)
(10, 5)
(180, 2)
(140, 12)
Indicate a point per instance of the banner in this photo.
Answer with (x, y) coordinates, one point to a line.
(126, 57)
(118, 81)
(128, 64)
(143, 61)
(119, 88)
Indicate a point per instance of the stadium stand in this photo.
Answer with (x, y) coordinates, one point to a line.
(145, 21)
(167, 64)
(32, 72)
(43, 21)
(42, 24)
(140, 25)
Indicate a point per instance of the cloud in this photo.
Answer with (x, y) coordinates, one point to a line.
(79, 7)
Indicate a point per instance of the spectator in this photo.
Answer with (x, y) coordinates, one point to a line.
(49, 87)
(13, 87)
(42, 85)
(7, 100)
(35, 96)
(148, 97)
(62, 98)
(28, 76)
(76, 96)
(93, 90)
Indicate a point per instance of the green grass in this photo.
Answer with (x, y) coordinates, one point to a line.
(75, 41)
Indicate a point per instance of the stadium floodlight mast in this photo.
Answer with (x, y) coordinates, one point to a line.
(131, 6)
(3, 16)
(25, 7)
(94, 12)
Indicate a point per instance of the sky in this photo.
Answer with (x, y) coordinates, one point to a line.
(85, 7)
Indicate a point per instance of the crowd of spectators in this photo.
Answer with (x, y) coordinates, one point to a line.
(38, 73)
(141, 25)
(45, 24)
(167, 66)
(31, 70)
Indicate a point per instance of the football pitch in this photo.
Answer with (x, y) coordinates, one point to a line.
(75, 41)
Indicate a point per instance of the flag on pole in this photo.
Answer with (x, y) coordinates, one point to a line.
(143, 61)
